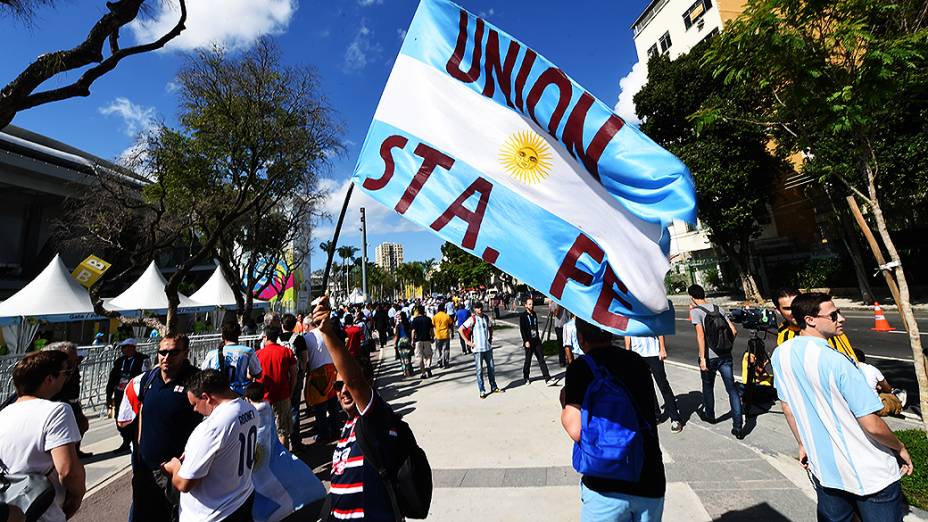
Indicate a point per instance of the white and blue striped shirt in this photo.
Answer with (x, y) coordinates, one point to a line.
(827, 394)
(480, 332)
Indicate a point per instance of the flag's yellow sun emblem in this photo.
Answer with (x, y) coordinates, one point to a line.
(526, 157)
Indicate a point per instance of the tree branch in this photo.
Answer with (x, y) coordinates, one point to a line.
(19, 94)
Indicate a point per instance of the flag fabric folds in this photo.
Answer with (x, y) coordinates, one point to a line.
(488, 144)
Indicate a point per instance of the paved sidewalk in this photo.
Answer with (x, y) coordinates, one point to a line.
(506, 457)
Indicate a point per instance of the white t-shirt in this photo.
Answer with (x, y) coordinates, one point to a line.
(316, 352)
(570, 337)
(646, 346)
(221, 453)
(871, 374)
(29, 431)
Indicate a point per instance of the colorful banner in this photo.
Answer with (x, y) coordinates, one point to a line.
(485, 142)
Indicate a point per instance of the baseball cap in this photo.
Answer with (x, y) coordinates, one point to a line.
(128, 341)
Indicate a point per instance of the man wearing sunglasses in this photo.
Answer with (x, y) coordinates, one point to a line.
(357, 490)
(789, 329)
(159, 399)
(853, 458)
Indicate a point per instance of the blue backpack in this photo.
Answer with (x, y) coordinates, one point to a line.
(611, 431)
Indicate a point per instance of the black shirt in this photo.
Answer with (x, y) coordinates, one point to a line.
(125, 368)
(422, 325)
(528, 326)
(633, 372)
(167, 419)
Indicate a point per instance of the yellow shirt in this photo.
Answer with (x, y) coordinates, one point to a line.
(840, 343)
(442, 323)
(766, 380)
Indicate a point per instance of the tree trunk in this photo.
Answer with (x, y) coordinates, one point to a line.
(869, 166)
(851, 242)
(748, 284)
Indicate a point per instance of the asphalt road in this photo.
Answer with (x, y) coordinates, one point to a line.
(888, 351)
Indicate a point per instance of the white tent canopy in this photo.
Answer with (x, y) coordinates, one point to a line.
(147, 293)
(357, 297)
(216, 291)
(52, 296)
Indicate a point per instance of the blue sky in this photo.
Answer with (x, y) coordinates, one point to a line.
(352, 45)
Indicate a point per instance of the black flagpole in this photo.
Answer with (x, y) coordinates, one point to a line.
(338, 229)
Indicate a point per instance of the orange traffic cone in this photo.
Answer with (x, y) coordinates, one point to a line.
(880, 324)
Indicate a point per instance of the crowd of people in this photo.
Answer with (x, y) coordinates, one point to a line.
(217, 442)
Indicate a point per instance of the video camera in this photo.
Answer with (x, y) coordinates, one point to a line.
(754, 318)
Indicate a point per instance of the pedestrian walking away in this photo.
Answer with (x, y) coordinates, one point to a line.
(621, 417)
(239, 362)
(422, 334)
(461, 315)
(715, 337)
(126, 367)
(853, 458)
(477, 332)
(40, 436)
(654, 352)
(559, 315)
(214, 478)
(160, 398)
(297, 344)
(443, 324)
(278, 376)
(531, 342)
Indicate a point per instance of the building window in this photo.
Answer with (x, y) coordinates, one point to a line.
(664, 42)
(695, 12)
(712, 33)
(652, 51)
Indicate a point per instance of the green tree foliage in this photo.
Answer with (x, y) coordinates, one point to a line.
(462, 269)
(733, 170)
(831, 73)
(235, 179)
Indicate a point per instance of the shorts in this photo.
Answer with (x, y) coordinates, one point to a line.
(282, 418)
(424, 349)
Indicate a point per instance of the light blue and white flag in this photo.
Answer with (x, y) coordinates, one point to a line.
(498, 151)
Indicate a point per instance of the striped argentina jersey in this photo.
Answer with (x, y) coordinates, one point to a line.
(827, 394)
(357, 491)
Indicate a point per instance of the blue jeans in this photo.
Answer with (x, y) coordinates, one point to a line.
(481, 359)
(835, 505)
(618, 507)
(722, 365)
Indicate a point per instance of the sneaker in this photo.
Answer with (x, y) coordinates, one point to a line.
(676, 426)
(552, 382)
(706, 418)
(497, 390)
(483, 395)
(738, 433)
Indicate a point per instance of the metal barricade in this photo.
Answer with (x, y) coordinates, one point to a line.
(98, 361)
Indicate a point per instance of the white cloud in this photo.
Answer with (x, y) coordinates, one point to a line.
(629, 87)
(234, 24)
(136, 118)
(368, 3)
(401, 34)
(171, 87)
(380, 219)
(362, 50)
(486, 14)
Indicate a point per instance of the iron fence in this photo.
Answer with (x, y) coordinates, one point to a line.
(97, 362)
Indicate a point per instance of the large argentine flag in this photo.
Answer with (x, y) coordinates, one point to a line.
(496, 150)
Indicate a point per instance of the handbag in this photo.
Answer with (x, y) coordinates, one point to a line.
(32, 493)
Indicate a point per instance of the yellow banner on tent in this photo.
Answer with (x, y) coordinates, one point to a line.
(90, 271)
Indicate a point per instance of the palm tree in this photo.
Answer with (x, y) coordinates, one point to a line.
(428, 266)
(347, 252)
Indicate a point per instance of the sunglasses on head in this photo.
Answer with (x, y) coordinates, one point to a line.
(169, 353)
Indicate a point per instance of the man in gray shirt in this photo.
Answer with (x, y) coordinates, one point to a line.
(715, 346)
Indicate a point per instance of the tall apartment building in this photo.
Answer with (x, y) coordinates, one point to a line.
(676, 26)
(389, 255)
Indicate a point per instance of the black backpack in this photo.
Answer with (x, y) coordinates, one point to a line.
(718, 334)
(408, 480)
